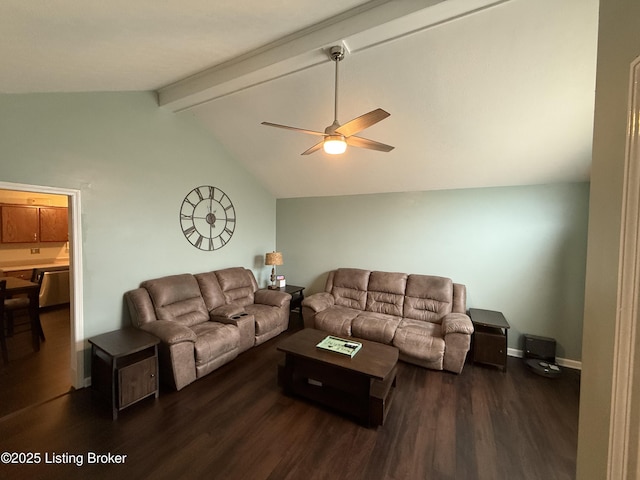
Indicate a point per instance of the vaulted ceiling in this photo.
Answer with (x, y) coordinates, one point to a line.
(480, 92)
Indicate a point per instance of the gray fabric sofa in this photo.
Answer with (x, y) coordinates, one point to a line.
(423, 316)
(205, 320)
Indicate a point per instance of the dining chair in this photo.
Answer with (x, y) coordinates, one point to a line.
(3, 340)
(12, 305)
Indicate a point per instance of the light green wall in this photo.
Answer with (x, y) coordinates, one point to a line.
(133, 163)
(519, 250)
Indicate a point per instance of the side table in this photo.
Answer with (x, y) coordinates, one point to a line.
(124, 367)
(489, 337)
(297, 295)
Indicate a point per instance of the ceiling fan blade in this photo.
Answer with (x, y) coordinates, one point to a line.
(370, 144)
(295, 129)
(315, 148)
(363, 121)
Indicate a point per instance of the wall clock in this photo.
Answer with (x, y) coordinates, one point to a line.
(207, 218)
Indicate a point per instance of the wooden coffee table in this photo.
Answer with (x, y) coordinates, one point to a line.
(361, 386)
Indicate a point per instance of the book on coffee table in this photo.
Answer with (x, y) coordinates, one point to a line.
(340, 345)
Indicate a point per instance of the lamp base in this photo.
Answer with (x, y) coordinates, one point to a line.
(273, 287)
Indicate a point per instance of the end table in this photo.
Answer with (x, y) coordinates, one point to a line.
(124, 367)
(489, 337)
(297, 295)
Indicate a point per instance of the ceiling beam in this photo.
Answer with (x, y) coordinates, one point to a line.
(370, 24)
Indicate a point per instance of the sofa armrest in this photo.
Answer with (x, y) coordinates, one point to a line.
(456, 323)
(319, 301)
(275, 298)
(169, 332)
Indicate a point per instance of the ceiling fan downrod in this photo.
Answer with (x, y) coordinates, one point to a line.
(336, 53)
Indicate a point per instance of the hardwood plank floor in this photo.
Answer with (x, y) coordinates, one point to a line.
(236, 424)
(34, 377)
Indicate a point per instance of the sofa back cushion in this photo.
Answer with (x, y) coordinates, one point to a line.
(177, 298)
(140, 307)
(238, 285)
(349, 287)
(210, 289)
(386, 293)
(428, 297)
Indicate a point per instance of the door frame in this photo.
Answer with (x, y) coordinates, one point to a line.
(624, 434)
(75, 274)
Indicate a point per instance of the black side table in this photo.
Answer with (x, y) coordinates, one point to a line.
(124, 367)
(489, 337)
(297, 295)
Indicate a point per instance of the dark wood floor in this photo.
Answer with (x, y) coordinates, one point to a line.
(236, 424)
(34, 377)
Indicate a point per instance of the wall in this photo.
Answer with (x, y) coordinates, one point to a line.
(618, 46)
(520, 250)
(133, 164)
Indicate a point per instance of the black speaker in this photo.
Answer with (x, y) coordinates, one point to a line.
(540, 355)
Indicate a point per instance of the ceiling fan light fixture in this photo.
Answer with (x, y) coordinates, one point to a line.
(334, 144)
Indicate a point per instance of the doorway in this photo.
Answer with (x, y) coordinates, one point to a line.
(73, 370)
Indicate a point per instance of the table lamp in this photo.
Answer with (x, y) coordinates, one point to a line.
(273, 259)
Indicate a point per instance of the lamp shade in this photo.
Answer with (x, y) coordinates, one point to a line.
(273, 258)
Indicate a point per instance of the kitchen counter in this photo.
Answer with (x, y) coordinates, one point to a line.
(54, 289)
(30, 266)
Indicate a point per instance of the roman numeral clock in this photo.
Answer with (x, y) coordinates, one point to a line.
(207, 218)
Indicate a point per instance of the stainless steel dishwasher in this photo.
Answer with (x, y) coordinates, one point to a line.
(55, 286)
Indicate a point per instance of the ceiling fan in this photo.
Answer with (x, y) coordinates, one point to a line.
(336, 136)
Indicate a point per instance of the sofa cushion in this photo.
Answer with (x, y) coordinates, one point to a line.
(213, 340)
(336, 320)
(211, 291)
(386, 293)
(177, 298)
(428, 297)
(237, 284)
(350, 287)
(377, 327)
(418, 339)
(267, 318)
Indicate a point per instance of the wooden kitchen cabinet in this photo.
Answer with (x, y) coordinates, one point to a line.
(54, 224)
(20, 224)
(27, 224)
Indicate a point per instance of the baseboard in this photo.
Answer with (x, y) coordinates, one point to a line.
(563, 362)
